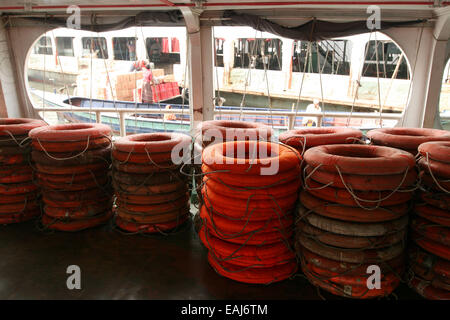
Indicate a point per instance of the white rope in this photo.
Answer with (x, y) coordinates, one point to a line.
(252, 52)
(321, 85)
(378, 81)
(433, 177)
(308, 51)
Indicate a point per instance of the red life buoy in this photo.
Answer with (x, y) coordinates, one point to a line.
(435, 182)
(142, 158)
(436, 150)
(355, 214)
(438, 200)
(362, 182)
(440, 169)
(343, 196)
(19, 126)
(152, 142)
(218, 131)
(150, 199)
(154, 209)
(19, 176)
(76, 203)
(18, 217)
(350, 242)
(246, 255)
(63, 159)
(253, 275)
(155, 178)
(84, 195)
(312, 137)
(13, 150)
(433, 214)
(258, 157)
(81, 212)
(70, 178)
(278, 190)
(429, 261)
(17, 188)
(13, 159)
(425, 274)
(73, 186)
(426, 290)
(360, 159)
(71, 132)
(431, 231)
(148, 189)
(228, 228)
(431, 246)
(356, 229)
(15, 198)
(19, 206)
(92, 167)
(142, 168)
(352, 255)
(134, 227)
(72, 146)
(247, 180)
(406, 138)
(152, 218)
(75, 225)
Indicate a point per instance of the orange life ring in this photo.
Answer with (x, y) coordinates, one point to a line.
(437, 168)
(357, 230)
(17, 188)
(342, 196)
(433, 214)
(406, 138)
(229, 228)
(312, 137)
(246, 180)
(148, 189)
(15, 198)
(352, 255)
(74, 186)
(19, 126)
(346, 213)
(69, 203)
(438, 200)
(18, 176)
(156, 142)
(286, 202)
(436, 150)
(72, 169)
(142, 168)
(246, 255)
(346, 268)
(75, 225)
(350, 242)
(259, 156)
(82, 212)
(142, 158)
(431, 231)
(362, 182)
(348, 286)
(426, 290)
(253, 275)
(87, 157)
(18, 217)
(12, 150)
(280, 190)
(431, 246)
(83, 195)
(360, 159)
(147, 179)
(134, 227)
(7, 208)
(232, 130)
(71, 178)
(150, 199)
(429, 261)
(71, 132)
(13, 159)
(161, 217)
(72, 146)
(154, 208)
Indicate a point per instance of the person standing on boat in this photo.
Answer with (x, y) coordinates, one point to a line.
(147, 85)
(312, 121)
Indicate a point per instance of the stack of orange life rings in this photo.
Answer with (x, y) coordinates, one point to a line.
(353, 214)
(407, 139)
(248, 209)
(151, 193)
(218, 131)
(18, 194)
(72, 164)
(303, 139)
(430, 228)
